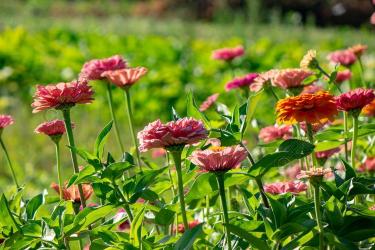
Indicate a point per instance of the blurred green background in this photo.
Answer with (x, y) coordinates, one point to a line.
(48, 41)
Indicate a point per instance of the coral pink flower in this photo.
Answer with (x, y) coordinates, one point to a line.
(316, 127)
(72, 194)
(208, 102)
(358, 49)
(228, 54)
(293, 187)
(355, 99)
(368, 165)
(241, 82)
(93, 70)
(175, 133)
(327, 153)
(343, 76)
(159, 152)
(311, 89)
(343, 57)
(61, 95)
(52, 128)
(372, 19)
(290, 78)
(263, 79)
(292, 172)
(125, 78)
(218, 159)
(5, 121)
(181, 229)
(272, 133)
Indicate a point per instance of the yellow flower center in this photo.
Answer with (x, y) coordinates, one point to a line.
(216, 148)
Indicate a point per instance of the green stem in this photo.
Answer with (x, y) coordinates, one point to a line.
(9, 163)
(361, 71)
(177, 160)
(125, 201)
(273, 93)
(318, 215)
(354, 139)
(345, 135)
(207, 208)
(327, 75)
(220, 182)
(113, 116)
(58, 165)
(131, 125)
(310, 136)
(69, 132)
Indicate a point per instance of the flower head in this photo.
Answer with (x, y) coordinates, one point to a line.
(358, 49)
(369, 109)
(263, 79)
(175, 133)
(343, 57)
(311, 108)
(372, 18)
(343, 76)
(62, 95)
(125, 78)
(293, 187)
(290, 78)
(181, 229)
(327, 153)
(271, 133)
(5, 121)
(355, 99)
(368, 165)
(208, 102)
(228, 54)
(241, 82)
(315, 173)
(93, 70)
(72, 194)
(316, 127)
(218, 159)
(309, 60)
(54, 128)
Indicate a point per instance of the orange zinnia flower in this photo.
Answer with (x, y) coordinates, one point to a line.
(310, 108)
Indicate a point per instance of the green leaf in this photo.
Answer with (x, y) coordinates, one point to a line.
(85, 175)
(193, 111)
(116, 170)
(34, 204)
(254, 241)
(303, 239)
(279, 211)
(187, 239)
(136, 227)
(164, 217)
(100, 140)
(326, 145)
(6, 216)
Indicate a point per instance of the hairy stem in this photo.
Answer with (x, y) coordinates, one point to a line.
(318, 215)
(9, 163)
(58, 166)
(345, 138)
(354, 139)
(220, 182)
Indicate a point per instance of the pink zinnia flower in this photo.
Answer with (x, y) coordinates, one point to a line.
(241, 82)
(311, 89)
(208, 102)
(343, 76)
(5, 121)
(343, 57)
(293, 187)
(218, 159)
(52, 128)
(61, 95)
(228, 54)
(358, 49)
(159, 152)
(125, 78)
(93, 70)
(316, 127)
(263, 79)
(290, 78)
(72, 194)
(318, 172)
(368, 165)
(181, 229)
(272, 133)
(327, 153)
(175, 133)
(372, 19)
(355, 99)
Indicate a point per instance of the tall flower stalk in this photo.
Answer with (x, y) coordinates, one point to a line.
(354, 138)
(131, 126)
(58, 166)
(72, 147)
(220, 182)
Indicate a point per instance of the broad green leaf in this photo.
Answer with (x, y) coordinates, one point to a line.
(187, 239)
(252, 103)
(116, 170)
(136, 228)
(326, 145)
(164, 217)
(100, 140)
(6, 216)
(193, 111)
(254, 241)
(34, 204)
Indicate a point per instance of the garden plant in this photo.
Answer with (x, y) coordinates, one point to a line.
(308, 182)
